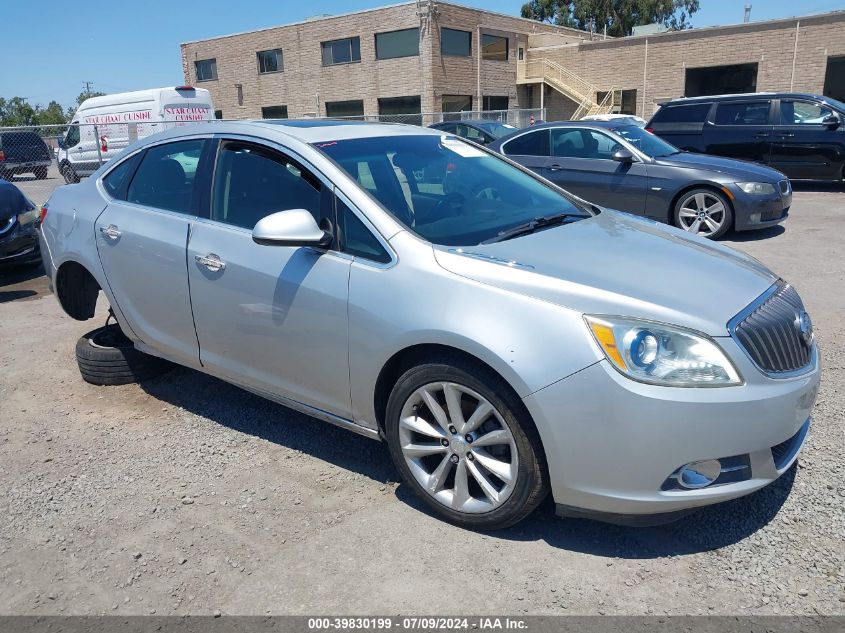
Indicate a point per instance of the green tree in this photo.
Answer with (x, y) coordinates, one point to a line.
(16, 111)
(618, 16)
(53, 114)
(87, 95)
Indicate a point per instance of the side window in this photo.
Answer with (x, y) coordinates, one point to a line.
(117, 180)
(803, 113)
(471, 133)
(165, 177)
(355, 238)
(252, 181)
(72, 136)
(748, 113)
(571, 143)
(531, 144)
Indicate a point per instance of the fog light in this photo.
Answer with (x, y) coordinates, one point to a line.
(755, 218)
(699, 474)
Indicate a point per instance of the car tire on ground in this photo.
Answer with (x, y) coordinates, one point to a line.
(69, 174)
(705, 212)
(40, 173)
(486, 477)
(107, 357)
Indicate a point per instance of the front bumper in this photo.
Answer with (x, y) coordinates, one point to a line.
(758, 212)
(612, 443)
(20, 245)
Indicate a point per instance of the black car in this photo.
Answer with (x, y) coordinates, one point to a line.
(23, 152)
(19, 219)
(802, 135)
(480, 131)
(625, 167)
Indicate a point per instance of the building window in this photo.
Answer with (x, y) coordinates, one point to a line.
(405, 43)
(494, 48)
(218, 114)
(494, 103)
(348, 109)
(521, 54)
(453, 42)
(627, 101)
(274, 112)
(270, 61)
(206, 69)
(345, 51)
(401, 109)
(453, 104)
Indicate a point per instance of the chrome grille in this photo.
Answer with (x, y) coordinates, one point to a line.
(771, 332)
(784, 186)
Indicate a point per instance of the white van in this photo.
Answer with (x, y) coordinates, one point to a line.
(102, 126)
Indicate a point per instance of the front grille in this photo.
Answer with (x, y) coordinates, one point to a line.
(774, 214)
(772, 334)
(784, 186)
(783, 453)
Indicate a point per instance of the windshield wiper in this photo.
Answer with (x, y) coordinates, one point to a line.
(531, 226)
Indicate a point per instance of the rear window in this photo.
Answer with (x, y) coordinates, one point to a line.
(693, 113)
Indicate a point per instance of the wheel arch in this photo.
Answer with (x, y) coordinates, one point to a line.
(77, 290)
(701, 185)
(417, 354)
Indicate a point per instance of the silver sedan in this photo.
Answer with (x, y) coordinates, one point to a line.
(504, 338)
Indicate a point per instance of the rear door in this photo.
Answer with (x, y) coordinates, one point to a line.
(740, 129)
(142, 238)
(582, 162)
(803, 146)
(530, 150)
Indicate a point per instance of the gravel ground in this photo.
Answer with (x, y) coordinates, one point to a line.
(186, 495)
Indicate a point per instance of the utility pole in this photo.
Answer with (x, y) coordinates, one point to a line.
(87, 85)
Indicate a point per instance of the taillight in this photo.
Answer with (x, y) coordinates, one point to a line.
(649, 130)
(43, 213)
(2, 155)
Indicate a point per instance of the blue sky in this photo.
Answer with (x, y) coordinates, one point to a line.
(50, 47)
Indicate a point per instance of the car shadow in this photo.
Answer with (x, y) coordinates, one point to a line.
(710, 528)
(818, 186)
(753, 236)
(239, 410)
(13, 274)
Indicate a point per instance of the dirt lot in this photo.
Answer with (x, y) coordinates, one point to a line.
(186, 495)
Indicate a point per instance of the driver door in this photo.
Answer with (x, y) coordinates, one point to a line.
(271, 318)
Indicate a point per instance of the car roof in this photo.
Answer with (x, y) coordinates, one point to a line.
(744, 95)
(304, 130)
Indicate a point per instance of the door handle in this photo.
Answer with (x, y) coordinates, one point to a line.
(555, 167)
(762, 135)
(786, 134)
(211, 261)
(110, 231)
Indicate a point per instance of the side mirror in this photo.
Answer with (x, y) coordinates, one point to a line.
(294, 227)
(623, 156)
(831, 122)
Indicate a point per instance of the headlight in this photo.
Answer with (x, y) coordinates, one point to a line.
(662, 354)
(757, 188)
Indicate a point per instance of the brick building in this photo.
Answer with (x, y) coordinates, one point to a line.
(433, 56)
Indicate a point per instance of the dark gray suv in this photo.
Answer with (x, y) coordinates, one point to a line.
(627, 168)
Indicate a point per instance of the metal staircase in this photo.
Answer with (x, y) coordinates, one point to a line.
(570, 85)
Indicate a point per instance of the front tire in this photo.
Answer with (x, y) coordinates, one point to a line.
(107, 357)
(704, 212)
(69, 174)
(465, 444)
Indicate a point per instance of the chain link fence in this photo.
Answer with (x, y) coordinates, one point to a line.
(40, 158)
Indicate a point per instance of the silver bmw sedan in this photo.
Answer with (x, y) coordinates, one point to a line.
(504, 338)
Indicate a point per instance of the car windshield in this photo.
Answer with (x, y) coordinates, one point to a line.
(445, 190)
(646, 142)
(836, 104)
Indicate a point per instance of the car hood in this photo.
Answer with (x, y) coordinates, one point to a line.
(738, 170)
(615, 263)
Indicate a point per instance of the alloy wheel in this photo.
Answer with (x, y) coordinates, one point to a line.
(702, 213)
(458, 447)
